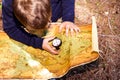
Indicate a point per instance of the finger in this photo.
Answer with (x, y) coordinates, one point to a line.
(78, 29)
(67, 29)
(52, 50)
(61, 27)
(50, 38)
(72, 32)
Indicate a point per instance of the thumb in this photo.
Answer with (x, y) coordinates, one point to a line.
(61, 27)
(50, 38)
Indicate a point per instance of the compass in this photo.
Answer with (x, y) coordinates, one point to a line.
(57, 42)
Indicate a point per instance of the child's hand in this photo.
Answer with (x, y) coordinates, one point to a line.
(69, 26)
(47, 47)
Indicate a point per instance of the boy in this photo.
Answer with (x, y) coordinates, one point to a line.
(34, 16)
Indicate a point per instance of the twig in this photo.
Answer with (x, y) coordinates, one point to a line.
(110, 26)
(113, 36)
(109, 22)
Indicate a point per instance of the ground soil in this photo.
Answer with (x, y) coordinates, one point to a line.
(107, 13)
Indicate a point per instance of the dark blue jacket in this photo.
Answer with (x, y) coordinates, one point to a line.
(64, 9)
(60, 8)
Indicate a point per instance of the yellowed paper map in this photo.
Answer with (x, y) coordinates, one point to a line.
(18, 60)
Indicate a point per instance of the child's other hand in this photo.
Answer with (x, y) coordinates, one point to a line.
(69, 26)
(46, 46)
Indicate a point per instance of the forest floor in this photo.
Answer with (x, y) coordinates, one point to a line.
(107, 13)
